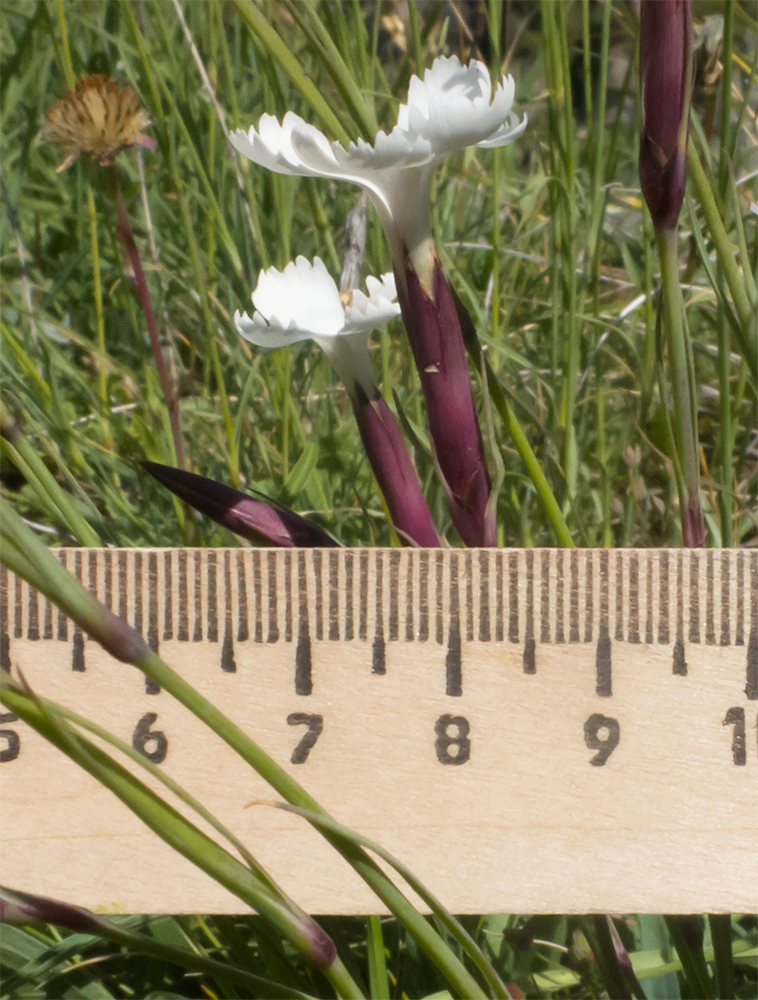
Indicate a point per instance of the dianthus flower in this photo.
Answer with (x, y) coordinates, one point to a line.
(302, 302)
(450, 108)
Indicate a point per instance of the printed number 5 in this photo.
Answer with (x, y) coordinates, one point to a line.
(315, 724)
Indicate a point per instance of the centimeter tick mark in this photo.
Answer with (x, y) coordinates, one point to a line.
(526, 598)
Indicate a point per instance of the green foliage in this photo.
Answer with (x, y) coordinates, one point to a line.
(549, 248)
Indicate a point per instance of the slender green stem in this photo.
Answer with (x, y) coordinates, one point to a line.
(184, 958)
(417, 47)
(684, 415)
(520, 440)
(377, 962)
(726, 493)
(602, 455)
(721, 935)
(68, 68)
(59, 504)
(495, 242)
(725, 252)
(26, 555)
(183, 836)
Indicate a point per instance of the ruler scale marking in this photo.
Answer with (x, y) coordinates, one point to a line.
(243, 627)
(182, 630)
(152, 603)
(228, 663)
(513, 597)
(559, 633)
(143, 583)
(423, 597)
(468, 572)
(334, 622)
(484, 595)
(574, 596)
(663, 599)
(5, 639)
(603, 651)
(409, 632)
(47, 629)
(751, 686)
(633, 633)
(62, 620)
(108, 564)
(702, 605)
(168, 595)
(317, 565)
(694, 597)
(393, 623)
(589, 564)
(303, 662)
(545, 598)
(211, 611)
(197, 635)
(378, 664)
(529, 659)
(348, 596)
(18, 615)
(649, 601)
(77, 648)
(680, 663)
(32, 628)
(453, 675)
(273, 607)
(725, 599)
(739, 626)
(710, 625)
(619, 635)
(498, 597)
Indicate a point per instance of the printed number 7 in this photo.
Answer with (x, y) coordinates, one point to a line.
(315, 724)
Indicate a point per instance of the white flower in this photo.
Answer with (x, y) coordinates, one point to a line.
(302, 302)
(451, 108)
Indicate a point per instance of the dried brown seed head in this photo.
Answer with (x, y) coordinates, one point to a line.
(99, 118)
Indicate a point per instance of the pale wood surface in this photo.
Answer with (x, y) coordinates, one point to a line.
(669, 823)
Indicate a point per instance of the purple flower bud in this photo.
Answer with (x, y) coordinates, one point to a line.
(434, 331)
(22, 907)
(394, 470)
(258, 521)
(666, 82)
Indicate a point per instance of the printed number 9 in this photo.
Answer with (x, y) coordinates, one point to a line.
(606, 745)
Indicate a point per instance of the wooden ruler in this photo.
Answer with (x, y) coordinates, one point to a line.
(530, 730)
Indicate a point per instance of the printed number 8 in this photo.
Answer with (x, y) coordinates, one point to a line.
(445, 741)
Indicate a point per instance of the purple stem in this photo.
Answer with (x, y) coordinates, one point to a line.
(434, 332)
(394, 471)
(131, 251)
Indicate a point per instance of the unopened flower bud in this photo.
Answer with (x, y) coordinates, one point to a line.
(666, 82)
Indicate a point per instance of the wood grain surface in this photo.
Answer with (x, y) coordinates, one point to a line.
(530, 730)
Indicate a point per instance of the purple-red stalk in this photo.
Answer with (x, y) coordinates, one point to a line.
(131, 252)
(434, 332)
(394, 471)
